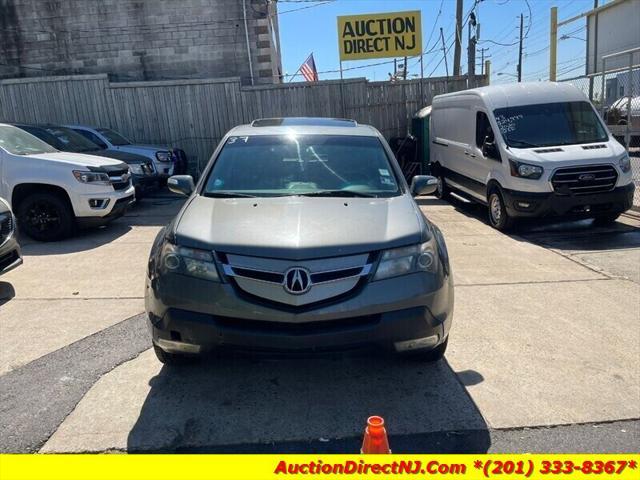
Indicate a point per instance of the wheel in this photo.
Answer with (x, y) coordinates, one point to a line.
(604, 220)
(429, 355)
(498, 216)
(172, 358)
(46, 217)
(442, 191)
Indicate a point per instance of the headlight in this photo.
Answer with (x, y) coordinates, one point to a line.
(625, 163)
(163, 156)
(136, 168)
(524, 170)
(91, 177)
(405, 260)
(189, 261)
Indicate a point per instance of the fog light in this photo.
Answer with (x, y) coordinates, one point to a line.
(524, 204)
(172, 261)
(99, 203)
(425, 260)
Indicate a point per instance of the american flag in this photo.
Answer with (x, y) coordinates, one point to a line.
(308, 69)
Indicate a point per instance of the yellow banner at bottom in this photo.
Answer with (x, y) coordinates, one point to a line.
(258, 467)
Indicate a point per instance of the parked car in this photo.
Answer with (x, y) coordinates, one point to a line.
(162, 157)
(52, 192)
(302, 234)
(617, 115)
(529, 150)
(65, 139)
(10, 256)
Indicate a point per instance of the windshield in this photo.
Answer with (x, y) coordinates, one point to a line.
(70, 141)
(549, 124)
(18, 142)
(319, 165)
(114, 137)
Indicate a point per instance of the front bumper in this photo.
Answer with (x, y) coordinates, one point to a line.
(10, 256)
(207, 315)
(551, 204)
(145, 183)
(119, 209)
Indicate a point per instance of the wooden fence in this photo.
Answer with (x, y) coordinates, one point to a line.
(195, 114)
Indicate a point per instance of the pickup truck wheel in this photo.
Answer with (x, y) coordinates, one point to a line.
(172, 358)
(45, 217)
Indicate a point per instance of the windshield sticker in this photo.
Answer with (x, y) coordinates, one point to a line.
(233, 140)
(383, 171)
(386, 181)
(218, 182)
(508, 124)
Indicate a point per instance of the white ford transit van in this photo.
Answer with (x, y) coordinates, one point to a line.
(529, 150)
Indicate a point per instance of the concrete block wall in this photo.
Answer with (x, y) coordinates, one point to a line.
(139, 39)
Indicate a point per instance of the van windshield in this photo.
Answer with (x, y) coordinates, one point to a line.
(549, 124)
(310, 165)
(18, 142)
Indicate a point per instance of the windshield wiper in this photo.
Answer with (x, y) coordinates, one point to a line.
(228, 195)
(524, 143)
(337, 193)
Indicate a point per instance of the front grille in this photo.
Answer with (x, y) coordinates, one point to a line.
(6, 227)
(584, 180)
(121, 185)
(118, 177)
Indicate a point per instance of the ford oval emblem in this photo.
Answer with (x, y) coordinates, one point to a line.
(587, 177)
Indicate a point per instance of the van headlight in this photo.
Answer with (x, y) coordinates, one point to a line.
(525, 170)
(189, 261)
(405, 260)
(625, 163)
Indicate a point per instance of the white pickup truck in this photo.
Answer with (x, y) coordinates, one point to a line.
(53, 192)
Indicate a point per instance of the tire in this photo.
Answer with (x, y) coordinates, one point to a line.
(46, 217)
(604, 220)
(172, 358)
(442, 191)
(429, 355)
(499, 218)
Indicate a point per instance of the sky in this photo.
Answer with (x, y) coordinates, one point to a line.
(310, 26)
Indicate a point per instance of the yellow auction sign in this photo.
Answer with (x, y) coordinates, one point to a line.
(381, 35)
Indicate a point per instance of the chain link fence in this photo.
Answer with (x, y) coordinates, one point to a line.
(616, 96)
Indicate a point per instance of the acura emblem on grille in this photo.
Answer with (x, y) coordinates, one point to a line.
(586, 177)
(297, 281)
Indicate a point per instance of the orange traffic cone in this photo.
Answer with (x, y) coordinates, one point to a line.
(375, 437)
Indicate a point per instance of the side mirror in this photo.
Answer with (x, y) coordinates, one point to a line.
(182, 184)
(423, 185)
(489, 149)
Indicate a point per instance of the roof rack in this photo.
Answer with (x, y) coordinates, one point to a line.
(304, 121)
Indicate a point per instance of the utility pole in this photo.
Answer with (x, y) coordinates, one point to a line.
(595, 50)
(520, 50)
(444, 52)
(482, 50)
(458, 39)
(404, 73)
(553, 43)
(471, 52)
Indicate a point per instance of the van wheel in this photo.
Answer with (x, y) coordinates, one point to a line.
(498, 216)
(442, 191)
(172, 358)
(46, 217)
(429, 355)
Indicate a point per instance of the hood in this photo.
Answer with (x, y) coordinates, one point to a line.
(78, 159)
(122, 156)
(297, 228)
(609, 152)
(134, 147)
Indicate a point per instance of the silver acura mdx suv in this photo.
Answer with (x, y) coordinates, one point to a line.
(301, 235)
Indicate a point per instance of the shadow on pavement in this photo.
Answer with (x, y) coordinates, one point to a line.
(152, 211)
(552, 233)
(7, 292)
(307, 405)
